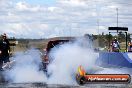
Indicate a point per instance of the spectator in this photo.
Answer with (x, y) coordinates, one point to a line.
(1, 61)
(115, 45)
(5, 50)
(129, 46)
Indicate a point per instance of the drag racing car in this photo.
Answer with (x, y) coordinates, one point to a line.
(46, 59)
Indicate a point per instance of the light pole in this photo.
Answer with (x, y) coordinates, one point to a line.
(117, 17)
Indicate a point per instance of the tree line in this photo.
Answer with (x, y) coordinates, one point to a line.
(104, 39)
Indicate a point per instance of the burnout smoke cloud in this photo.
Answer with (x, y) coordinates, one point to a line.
(62, 69)
(67, 58)
(26, 68)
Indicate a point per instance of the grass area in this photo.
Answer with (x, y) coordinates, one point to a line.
(24, 44)
(40, 44)
(123, 46)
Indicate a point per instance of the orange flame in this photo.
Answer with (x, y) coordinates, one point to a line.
(81, 71)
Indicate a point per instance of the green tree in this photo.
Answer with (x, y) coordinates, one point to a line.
(121, 37)
(108, 37)
(128, 37)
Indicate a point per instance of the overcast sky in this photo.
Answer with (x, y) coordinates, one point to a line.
(52, 18)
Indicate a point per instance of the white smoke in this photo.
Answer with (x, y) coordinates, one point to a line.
(67, 58)
(64, 65)
(26, 68)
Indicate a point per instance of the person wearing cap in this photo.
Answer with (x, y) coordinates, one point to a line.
(5, 49)
(115, 45)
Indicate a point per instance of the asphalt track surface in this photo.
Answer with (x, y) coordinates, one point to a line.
(44, 85)
(5, 84)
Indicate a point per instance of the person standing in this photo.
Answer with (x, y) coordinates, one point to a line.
(1, 59)
(130, 46)
(115, 45)
(5, 49)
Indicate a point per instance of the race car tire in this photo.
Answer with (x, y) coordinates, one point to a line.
(80, 80)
